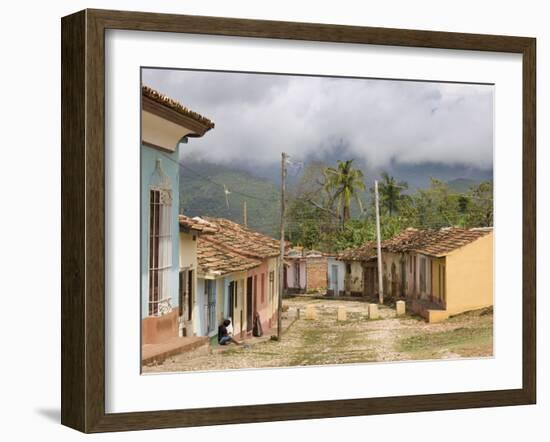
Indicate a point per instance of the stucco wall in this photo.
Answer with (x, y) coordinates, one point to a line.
(469, 273)
(354, 280)
(149, 157)
(290, 274)
(273, 266)
(392, 283)
(261, 306)
(188, 250)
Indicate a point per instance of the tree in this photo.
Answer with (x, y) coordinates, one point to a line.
(463, 203)
(391, 193)
(344, 183)
(436, 207)
(481, 206)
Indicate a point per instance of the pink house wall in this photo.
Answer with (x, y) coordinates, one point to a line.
(260, 280)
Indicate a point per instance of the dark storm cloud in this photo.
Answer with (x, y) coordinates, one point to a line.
(379, 121)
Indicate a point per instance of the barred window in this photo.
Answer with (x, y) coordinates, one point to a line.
(160, 243)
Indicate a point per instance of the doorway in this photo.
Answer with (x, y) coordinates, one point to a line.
(334, 279)
(249, 304)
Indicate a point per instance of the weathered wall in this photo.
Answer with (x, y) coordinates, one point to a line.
(354, 279)
(316, 274)
(291, 274)
(392, 280)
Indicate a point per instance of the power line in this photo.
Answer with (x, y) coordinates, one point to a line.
(210, 180)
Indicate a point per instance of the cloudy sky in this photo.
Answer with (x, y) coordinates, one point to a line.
(378, 122)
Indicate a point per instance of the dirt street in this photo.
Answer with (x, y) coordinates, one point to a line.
(355, 340)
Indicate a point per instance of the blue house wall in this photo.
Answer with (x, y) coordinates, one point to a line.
(169, 163)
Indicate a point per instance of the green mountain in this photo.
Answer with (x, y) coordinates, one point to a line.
(202, 193)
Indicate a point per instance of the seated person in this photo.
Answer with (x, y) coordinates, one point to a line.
(223, 335)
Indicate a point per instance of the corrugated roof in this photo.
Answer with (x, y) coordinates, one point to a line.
(216, 259)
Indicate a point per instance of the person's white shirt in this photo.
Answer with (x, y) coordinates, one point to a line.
(230, 327)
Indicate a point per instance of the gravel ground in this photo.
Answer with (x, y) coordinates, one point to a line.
(356, 340)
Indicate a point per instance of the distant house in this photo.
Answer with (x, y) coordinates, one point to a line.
(360, 263)
(295, 271)
(441, 272)
(238, 277)
(445, 272)
(165, 123)
(305, 271)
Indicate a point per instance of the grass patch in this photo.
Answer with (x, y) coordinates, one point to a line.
(464, 341)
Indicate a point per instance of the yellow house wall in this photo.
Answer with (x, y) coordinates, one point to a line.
(469, 273)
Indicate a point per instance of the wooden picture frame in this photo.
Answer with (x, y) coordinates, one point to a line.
(83, 220)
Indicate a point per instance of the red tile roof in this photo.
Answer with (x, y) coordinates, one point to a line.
(446, 241)
(428, 242)
(219, 260)
(362, 253)
(165, 100)
(243, 241)
(197, 224)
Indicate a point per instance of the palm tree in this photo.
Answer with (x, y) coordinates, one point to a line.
(344, 183)
(390, 192)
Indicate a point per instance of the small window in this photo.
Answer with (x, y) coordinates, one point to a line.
(348, 268)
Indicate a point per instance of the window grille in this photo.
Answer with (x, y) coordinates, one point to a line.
(160, 242)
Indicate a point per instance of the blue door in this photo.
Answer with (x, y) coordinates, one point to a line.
(334, 280)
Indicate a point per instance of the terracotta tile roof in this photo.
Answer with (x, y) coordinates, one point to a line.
(197, 224)
(216, 259)
(429, 242)
(433, 242)
(407, 240)
(243, 241)
(362, 253)
(448, 240)
(160, 98)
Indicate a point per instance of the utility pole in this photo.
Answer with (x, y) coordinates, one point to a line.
(245, 214)
(284, 157)
(378, 246)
